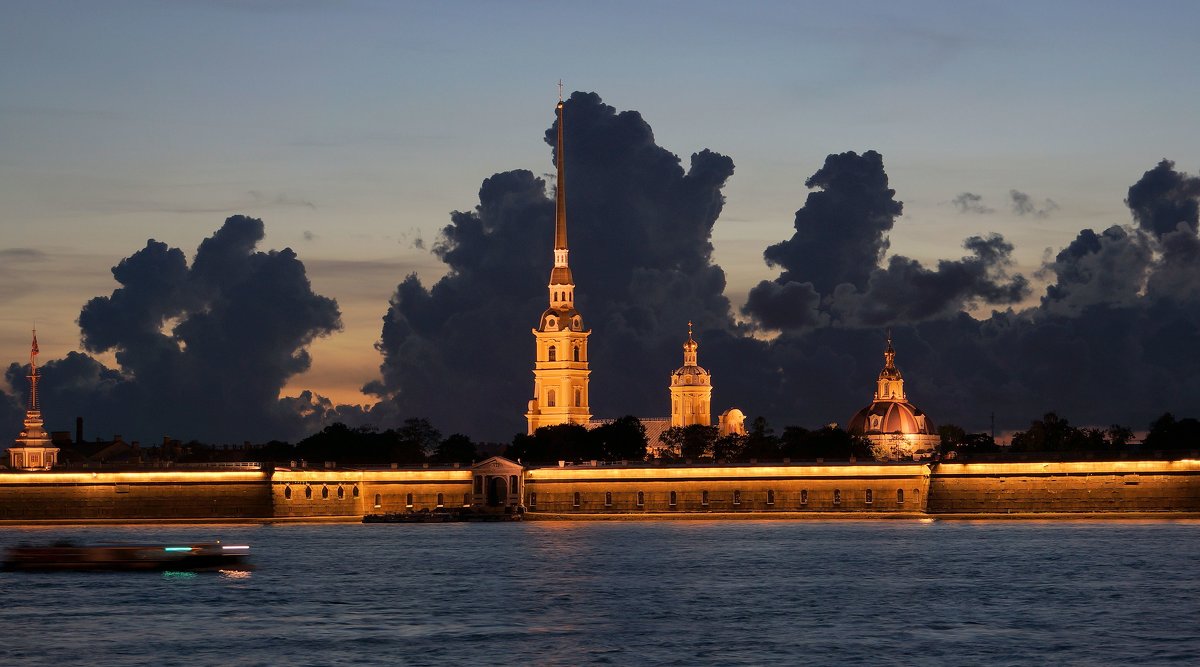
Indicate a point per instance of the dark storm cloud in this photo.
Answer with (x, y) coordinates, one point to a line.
(203, 351)
(841, 232)
(1164, 198)
(1106, 268)
(640, 227)
(1112, 340)
(831, 264)
(905, 291)
(1023, 204)
(969, 202)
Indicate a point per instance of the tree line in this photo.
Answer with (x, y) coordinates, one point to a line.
(418, 442)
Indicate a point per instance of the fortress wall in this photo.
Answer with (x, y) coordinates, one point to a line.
(784, 488)
(134, 495)
(1110, 486)
(316, 492)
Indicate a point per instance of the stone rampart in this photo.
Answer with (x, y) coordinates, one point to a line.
(135, 495)
(727, 488)
(946, 489)
(1109, 486)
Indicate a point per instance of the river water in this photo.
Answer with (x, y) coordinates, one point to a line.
(627, 593)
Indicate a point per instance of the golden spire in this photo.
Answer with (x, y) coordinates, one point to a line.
(560, 193)
(33, 373)
(561, 276)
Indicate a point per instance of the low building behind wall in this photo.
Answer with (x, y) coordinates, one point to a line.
(727, 488)
(1109, 486)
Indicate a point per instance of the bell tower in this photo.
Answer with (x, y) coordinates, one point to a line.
(560, 369)
(691, 389)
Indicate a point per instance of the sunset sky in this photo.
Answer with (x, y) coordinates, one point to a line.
(353, 129)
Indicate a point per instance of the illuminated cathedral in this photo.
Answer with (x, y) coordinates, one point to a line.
(560, 371)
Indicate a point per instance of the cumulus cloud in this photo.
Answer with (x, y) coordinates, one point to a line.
(841, 232)
(969, 202)
(905, 291)
(831, 269)
(1023, 204)
(203, 351)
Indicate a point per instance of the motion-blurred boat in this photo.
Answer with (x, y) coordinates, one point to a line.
(153, 558)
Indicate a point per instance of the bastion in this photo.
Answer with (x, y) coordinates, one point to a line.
(795, 490)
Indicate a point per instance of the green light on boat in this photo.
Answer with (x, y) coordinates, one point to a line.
(177, 548)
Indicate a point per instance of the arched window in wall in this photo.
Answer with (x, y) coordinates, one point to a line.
(287, 493)
(378, 500)
(575, 500)
(575, 353)
(408, 501)
(325, 493)
(550, 398)
(899, 496)
(674, 499)
(341, 493)
(870, 496)
(641, 499)
(608, 498)
(308, 492)
(552, 353)
(441, 500)
(837, 496)
(578, 398)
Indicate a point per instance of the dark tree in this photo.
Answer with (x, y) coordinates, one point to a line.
(621, 440)
(729, 448)
(1051, 433)
(761, 443)
(828, 442)
(1167, 434)
(562, 442)
(457, 448)
(689, 442)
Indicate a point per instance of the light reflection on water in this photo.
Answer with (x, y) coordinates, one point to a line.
(672, 593)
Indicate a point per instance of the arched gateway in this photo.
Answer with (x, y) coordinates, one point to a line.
(499, 484)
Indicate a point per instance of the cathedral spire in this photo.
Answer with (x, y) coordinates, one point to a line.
(560, 190)
(33, 374)
(562, 282)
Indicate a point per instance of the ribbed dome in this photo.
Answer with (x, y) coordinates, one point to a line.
(882, 417)
(690, 374)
